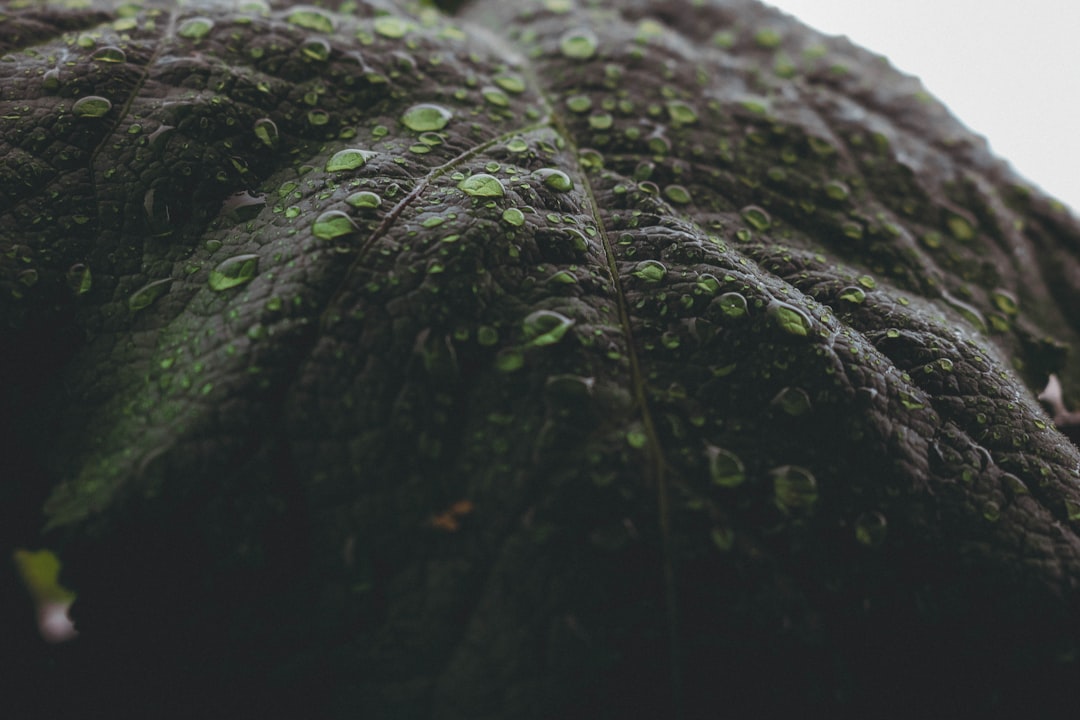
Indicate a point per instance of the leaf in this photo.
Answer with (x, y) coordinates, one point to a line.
(726, 334)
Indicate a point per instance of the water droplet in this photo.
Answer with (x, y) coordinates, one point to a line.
(266, 130)
(601, 121)
(332, 224)
(51, 79)
(677, 194)
(514, 217)
(109, 54)
(545, 327)
(960, 228)
(510, 83)
(792, 400)
(426, 117)
(482, 185)
(870, 529)
(579, 103)
(1005, 301)
(579, 44)
(852, 295)
(233, 271)
(725, 467)
(78, 278)
(767, 38)
(681, 112)
(732, 304)
(556, 179)
(794, 489)
(790, 319)
(708, 284)
(364, 199)
(147, 294)
(487, 336)
(650, 271)
(517, 145)
(391, 27)
(318, 117)
(195, 28)
(495, 96)
(315, 49)
(757, 217)
(723, 538)
(348, 159)
(91, 106)
(837, 190)
(509, 360)
(311, 18)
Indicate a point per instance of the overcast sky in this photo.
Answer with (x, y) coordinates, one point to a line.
(1008, 70)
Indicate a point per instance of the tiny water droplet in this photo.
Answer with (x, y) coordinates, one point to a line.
(794, 489)
(109, 54)
(267, 131)
(556, 179)
(332, 224)
(482, 185)
(725, 467)
(311, 18)
(391, 27)
(316, 49)
(348, 159)
(757, 217)
(513, 216)
(790, 319)
(578, 44)
(195, 28)
(233, 271)
(545, 327)
(147, 294)
(650, 270)
(364, 199)
(870, 529)
(78, 278)
(91, 106)
(426, 117)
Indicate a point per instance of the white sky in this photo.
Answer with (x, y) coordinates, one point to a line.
(1008, 70)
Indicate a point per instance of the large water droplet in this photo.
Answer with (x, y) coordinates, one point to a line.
(234, 271)
(147, 294)
(650, 270)
(545, 327)
(482, 185)
(332, 224)
(757, 217)
(311, 18)
(348, 159)
(794, 489)
(91, 106)
(426, 117)
(677, 194)
(513, 216)
(267, 131)
(790, 319)
(109, 54)
(195, 28)
(725, 467)
(578, 44)
(556, 179)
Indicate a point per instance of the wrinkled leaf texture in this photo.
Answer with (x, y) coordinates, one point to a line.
(736, 413)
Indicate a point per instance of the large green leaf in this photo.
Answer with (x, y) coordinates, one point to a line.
(554, 359)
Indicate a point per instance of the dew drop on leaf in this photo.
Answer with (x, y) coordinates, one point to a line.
(556, 179)
(426, 117)
(793, 401)
(109, 54)
(391, 27)
(91, 106)
(732, 304)
(233, 271)
(854, 295)
(677, 194)
(266, 130)
(650, 270)
(870, 529)
(332, 224)
(513, 216)
(316, 50)
(725, 467)
(348, 159)
(195, 28)
(78, 278)
(364, 199)
(545, 327)
(794, 489)
(311, 18)
(578, 44)
(482, 185)
(757, 217)
(681, 113)
(147, 294)
(790, 319)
